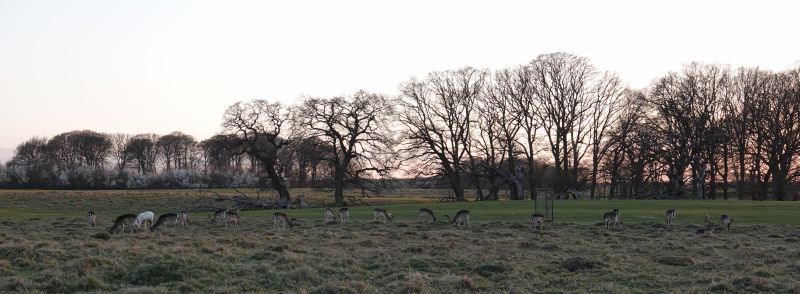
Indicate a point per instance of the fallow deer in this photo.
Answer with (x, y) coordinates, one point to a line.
(382, 215)
(708, 227)
(92, 218)
(219, 216)
(232, 218)
(122, 221)
(344, 214)
(538, 221)
(183, 217)
(461, 218)
(670, 217)
(144, 217)
(726, 222)
(281, 221)
(166, 220)
(426, 215)
(329, 216)
(611, 218)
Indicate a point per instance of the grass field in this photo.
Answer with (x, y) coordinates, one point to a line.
(45, 246)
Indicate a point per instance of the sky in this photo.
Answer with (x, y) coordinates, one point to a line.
(163, 66)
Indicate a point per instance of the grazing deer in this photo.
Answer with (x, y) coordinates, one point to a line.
(232, 218)
(122, 221)
(92, 217)
(344, 214)
(726, 222)
(611, 218)
(426, 215)
(281, 221)
(670, 217)
(381, 214)
(538, 221)
(219, 216)
(329, 216)
(144, 217)
(183, 217)
(709, 226)
(165, 220)
(461, 218)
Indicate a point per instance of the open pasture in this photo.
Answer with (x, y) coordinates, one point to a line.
(49, 248)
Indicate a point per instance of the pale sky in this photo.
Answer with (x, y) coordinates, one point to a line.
(162, 66)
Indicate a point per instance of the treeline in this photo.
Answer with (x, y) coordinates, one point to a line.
(555, 123)
(91, 160)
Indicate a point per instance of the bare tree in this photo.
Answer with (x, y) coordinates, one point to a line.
(607, 97)
(120, 142)
(561, 85)
(634, 146)
(776, 126)
(437, 114)
(518, 86)
(356, 130)
(748, 85)
(175, 149)
(500, 121)
(141, 150)
(265, 130)
(686, 103)
(33, 156)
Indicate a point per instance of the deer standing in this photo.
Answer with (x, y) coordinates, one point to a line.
(329, 216)
(92, 218)
(166, 220)
(122, 221)
(426, 215)
(611, 218)
(726, 222)
(670, 217)
(281, 221)
(538, 221)
(344, 214)
(382, 215)
(461, 218)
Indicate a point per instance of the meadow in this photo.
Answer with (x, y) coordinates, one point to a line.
(46, 246)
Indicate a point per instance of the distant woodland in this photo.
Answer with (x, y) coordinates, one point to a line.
(556, 123)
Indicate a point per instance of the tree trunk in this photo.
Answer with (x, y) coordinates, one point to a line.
(594, 179)
(725, 154)
(277, 183)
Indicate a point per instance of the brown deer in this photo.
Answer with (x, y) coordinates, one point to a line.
(461, 218)
(92, 218)
(344, 214)
(538, 221)
(329, 216)
(232, 218)
(426, 215)
(165, 220)
(611, 218)
(122, 221)
(670, 217)
(382, 215)
(281, 221)
(709, 226)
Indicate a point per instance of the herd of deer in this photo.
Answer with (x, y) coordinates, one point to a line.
(281, 220)
(136, 221)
